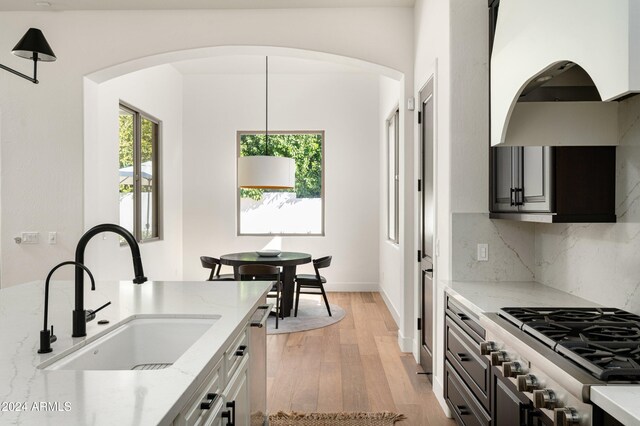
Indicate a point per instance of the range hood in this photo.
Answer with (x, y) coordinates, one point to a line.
(557, 68)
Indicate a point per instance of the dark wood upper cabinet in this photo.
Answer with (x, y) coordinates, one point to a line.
(553, 184)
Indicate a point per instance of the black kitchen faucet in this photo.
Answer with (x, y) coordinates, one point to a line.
(79, 313)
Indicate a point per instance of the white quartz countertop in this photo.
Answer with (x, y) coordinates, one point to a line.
(32, 396)
(620, 401)
(481, 297)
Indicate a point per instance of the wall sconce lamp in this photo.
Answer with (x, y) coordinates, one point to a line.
(32, 46)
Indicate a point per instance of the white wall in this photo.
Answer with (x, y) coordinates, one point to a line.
(391, 255)
(42, 126)
(345, 106)
(156, 91)
(432, 57)
(452, 45)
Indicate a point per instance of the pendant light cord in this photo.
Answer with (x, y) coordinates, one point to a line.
(266, 124)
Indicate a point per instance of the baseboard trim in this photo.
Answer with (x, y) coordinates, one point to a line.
(351, 287)
(438, 391)
(390, 306)
(405, 343)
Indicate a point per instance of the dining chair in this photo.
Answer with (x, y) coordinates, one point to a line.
(312, 283)
(259, 272)
(215, 266)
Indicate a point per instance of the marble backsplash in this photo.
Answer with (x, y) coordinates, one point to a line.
(601, 262)
(511, 249)
(596, 261)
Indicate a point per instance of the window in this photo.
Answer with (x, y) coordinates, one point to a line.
(299, 211)
(139, 173)
(393, 165)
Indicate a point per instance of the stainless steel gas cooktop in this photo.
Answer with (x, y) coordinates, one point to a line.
(604, 341)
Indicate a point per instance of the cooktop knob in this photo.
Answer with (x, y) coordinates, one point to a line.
(487, 347)
(513, 369)
(567, 416)
(498, 357)
(527, 383)
(545, 398)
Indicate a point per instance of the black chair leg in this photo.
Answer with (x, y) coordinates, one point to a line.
(277, 310)
(295, 311)
(326, 302)
(280, 298)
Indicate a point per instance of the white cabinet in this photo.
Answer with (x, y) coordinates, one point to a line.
(237, 397)
(206, 403)
(223, 397)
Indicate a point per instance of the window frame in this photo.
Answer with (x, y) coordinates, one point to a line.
(138, 115)
(394, 169)
(239, 134)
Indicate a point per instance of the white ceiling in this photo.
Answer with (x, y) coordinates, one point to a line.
(43, 5)
(251, 64)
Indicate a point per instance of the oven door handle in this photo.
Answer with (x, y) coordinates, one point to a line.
(263, 319)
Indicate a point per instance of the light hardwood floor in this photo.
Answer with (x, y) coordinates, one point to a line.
(354, 365)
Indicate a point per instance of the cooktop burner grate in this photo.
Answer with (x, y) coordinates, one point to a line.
(605, 341)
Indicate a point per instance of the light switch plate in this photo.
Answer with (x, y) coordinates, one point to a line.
(29, 238)
(483, 252)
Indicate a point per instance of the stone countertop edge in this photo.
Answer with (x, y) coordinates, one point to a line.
(33, 396)
(480, 297)
(619, 401)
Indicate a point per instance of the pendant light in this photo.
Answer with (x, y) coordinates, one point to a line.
(266, 171)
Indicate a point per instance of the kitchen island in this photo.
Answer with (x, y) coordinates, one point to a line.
(34, 396)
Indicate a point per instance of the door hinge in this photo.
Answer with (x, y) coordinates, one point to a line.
(419, 323)
(419, 255)
(419, 117)
(419, 185)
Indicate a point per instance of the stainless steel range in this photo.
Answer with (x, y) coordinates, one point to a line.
(554, 355)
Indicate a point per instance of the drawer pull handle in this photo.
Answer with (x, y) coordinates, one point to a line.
(462, 356)
(241, 349)
(211, 397)
(462, 316)
(462, 410)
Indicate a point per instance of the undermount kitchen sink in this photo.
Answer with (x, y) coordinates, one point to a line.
(140, 342)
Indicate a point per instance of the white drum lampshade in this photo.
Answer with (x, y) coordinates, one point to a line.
(266, 172)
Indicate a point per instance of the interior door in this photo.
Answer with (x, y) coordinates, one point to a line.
(426, 119)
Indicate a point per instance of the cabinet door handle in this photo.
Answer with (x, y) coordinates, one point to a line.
(206, 405)
(241, 350)
(462, 410)
(227, 415)
(512, 201)
(230, 414)
(519, 196)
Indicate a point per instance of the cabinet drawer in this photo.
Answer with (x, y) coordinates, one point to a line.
(464, 355)
(203, 405)
(466, 320)
(235, 353)
(466, 410)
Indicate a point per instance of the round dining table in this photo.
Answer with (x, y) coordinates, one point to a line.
(288, 260)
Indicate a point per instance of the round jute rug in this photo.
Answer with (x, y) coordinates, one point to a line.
(334, 419)
(312, 313)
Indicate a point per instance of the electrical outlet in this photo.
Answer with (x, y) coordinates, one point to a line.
(30, 238)
(483, 252)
